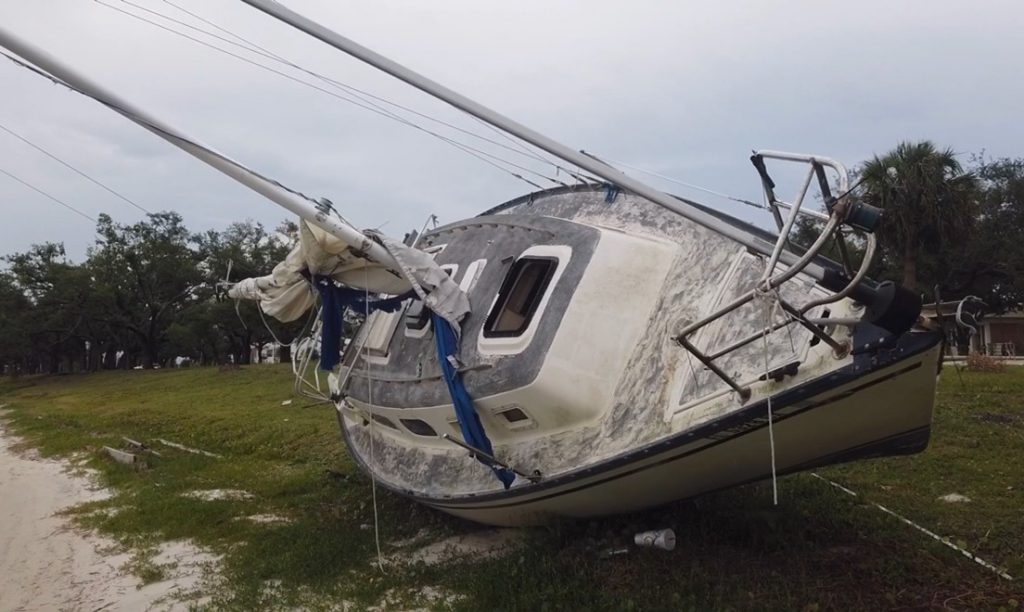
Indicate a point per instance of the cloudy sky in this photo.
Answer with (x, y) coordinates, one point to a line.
(685, 89)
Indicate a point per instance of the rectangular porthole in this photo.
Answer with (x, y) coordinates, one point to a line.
(514, 415)
(519, 296)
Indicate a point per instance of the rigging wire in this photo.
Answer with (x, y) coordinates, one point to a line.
(369, 401)
(73, 169)
(156, 128)
(43, 193)
(690, 185)
(473, 151)
(770, 302)
(255, 48)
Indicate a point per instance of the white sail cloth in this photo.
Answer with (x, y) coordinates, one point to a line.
(285, 294)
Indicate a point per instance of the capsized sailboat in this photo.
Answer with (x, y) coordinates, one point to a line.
(594, 349)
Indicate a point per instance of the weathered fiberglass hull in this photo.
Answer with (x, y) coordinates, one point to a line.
(614, 414)
(856, 413)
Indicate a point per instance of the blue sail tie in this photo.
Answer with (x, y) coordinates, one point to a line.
(334, 301)
(473, 432)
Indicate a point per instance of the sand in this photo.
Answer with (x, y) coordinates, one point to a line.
(47, 564)
(484, 544)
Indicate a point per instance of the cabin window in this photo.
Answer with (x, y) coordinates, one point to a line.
(418, 427)
(519, 297)
(383, 420)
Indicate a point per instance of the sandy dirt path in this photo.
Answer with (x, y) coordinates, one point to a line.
(46, 564)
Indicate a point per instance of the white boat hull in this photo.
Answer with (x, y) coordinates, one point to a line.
(887, 411)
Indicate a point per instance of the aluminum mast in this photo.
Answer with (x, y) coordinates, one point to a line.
(591, 164)
(301, 206)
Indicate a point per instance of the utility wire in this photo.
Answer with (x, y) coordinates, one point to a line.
(72, 168)
(480, 154)
(43, 193)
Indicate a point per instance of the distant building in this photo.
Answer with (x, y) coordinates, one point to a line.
(1002, 335)
(998, 336)
(270, 353)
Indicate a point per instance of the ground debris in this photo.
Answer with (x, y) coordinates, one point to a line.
(124, 457)
(415, 600)
(954, 498)
(187, 449)
(219, 494)
(267, 519)
(487, 544)
(140, 447)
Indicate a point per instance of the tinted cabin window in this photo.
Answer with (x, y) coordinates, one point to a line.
(383, 420)
(418, 427)
(519, 297)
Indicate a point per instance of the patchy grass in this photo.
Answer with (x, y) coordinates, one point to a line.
(820, 549)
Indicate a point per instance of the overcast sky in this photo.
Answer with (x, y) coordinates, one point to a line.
(685, 89)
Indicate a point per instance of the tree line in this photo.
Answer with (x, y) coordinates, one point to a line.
(948, 229)
(146, 294)
(150, 292)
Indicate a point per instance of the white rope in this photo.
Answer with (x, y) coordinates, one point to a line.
(767, 298)
(690, 185)
(931, 534)
(369, 400)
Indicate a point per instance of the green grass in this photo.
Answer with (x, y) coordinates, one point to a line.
(819, 549)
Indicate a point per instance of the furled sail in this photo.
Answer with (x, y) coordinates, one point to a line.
(286, 293)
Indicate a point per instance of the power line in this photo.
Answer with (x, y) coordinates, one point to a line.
(72, 168)
(41, 192)
(362, 103)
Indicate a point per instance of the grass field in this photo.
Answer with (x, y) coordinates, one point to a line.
(819, 549)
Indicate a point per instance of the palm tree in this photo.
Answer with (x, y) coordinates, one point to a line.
(928, 201)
